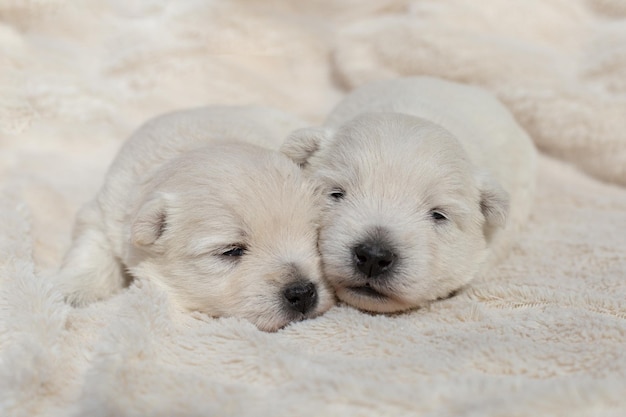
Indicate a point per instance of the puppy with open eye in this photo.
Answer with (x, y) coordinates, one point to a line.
(426, 182)
(225, 227)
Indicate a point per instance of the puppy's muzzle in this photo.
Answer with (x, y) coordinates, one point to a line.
(373, 259)
(300, 296)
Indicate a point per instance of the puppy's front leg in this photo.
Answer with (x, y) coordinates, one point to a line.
(90, 270)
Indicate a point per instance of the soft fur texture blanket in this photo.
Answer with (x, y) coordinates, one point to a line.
(542, 335)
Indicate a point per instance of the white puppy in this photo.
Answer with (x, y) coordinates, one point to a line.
(229, 229)
(420, 174)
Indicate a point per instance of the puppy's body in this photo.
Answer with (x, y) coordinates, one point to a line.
(227, 228)
(421, 174)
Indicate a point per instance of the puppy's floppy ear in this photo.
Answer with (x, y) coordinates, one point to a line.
(150, 221)
(494, 203)
(301, 144)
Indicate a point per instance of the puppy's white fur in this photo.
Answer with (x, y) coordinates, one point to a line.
(224, 227)
(437, 174)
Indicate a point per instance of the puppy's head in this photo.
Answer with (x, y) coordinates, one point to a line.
(231, 230)
(408, 218)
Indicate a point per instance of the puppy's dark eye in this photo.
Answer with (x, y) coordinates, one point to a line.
(236, 251)
(337, 194)
(438, 215)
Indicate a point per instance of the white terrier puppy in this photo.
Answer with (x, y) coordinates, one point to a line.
(421, 175)
(226, 228)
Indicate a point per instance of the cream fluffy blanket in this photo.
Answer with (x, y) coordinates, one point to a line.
(543, 335)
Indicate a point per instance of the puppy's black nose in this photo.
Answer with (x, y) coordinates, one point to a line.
(301, 296)
(372, 259)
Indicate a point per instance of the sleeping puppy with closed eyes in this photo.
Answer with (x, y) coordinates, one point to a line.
(225, 227)
(427, 182)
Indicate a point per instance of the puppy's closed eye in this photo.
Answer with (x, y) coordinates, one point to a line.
(235, 251)
(212, 246)
(337, 193)
(438, 215)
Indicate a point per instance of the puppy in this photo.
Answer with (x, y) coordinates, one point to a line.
(421, 175)
(226, 228)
